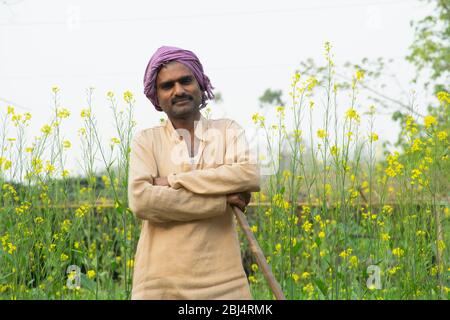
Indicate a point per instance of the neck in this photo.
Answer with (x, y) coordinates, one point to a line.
(186, 123)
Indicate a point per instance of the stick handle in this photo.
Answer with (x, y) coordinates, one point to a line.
(257, 252)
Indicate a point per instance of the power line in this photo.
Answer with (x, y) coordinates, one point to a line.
(208, 15)
(293, 65)
(14, 104)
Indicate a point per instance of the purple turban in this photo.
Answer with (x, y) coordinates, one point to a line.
(167, 54)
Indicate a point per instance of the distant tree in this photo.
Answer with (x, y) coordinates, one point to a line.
(271, 98)
(430, 49)
(218, 97)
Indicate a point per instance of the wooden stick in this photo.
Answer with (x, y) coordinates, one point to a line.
(257, 252)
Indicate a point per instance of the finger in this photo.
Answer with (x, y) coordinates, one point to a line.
(242, 205)
(249, 198)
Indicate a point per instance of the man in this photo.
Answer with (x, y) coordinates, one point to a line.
(184, 177)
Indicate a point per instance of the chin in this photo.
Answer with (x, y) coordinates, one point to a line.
(184, 110)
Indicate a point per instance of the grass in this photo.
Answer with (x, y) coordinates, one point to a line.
(334, 220)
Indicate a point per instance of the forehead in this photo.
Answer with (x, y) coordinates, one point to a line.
(172, 72)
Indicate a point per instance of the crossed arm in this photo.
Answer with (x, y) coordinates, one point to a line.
(237, 174)
(193, 195)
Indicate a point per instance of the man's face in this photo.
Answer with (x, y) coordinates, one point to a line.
(178, 91)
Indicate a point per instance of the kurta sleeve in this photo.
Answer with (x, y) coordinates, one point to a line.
(164, 204)
(239, 172)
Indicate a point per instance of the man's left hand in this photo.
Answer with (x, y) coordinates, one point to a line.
(161, 181)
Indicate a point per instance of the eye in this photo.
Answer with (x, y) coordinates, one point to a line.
(186, 80)
(166, 86)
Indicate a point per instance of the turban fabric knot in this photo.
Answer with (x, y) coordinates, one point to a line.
(167, 54)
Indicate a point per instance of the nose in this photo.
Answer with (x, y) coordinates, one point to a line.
(179, 89)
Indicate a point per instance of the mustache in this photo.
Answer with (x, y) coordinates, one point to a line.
(181, 98)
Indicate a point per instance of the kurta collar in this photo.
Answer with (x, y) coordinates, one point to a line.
(201, 127)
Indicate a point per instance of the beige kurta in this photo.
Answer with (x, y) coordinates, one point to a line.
(188, 246)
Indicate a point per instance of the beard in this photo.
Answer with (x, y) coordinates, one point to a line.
(184, 109)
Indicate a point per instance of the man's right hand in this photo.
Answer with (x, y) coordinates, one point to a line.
(241, 199)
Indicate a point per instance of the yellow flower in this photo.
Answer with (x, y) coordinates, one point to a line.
(359, 75)
(7, 164)
(294, 242)
(280, 202)
(395, 167)
(280, 109)
(258, 119)
(321, 234)
(398, 252)
(306, 275)
(353, 261)
(110, 94)
(415, 173)
(306, 210)
(55, 89)
(334, 150)
(420, 233)
(387, 209)
(65, 173)
(295, 277)
(254, 229)
(130, 263)
(345, 253)
(63, 113)
(255, 117)
(46, 129)
(254, 267)
(65, 225)
(11, 248)
(417, 145)
(443, 96)
(49, 167)
(311, 82)
(10, 110)
(115, 141)
(127, 96)
(442, 135)
(85, 113)
(429, 121)
(352, 114)
(385, 237)
(286, 174)
(411, 126)
(64, 257)
(307, 226)
(373, 137)
(252, 279)
(81, 211)
(91, 274)
(321, 134)
(393, 270)
(309, 288)
(278, 247)
(39, 220)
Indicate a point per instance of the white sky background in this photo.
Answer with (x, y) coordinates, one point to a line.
(244, 46)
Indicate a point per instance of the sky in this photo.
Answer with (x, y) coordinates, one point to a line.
(245, 47)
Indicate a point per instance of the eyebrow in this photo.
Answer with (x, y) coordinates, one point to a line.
(170, 82)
